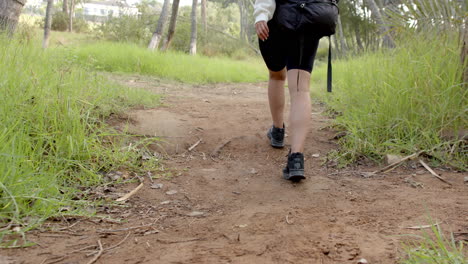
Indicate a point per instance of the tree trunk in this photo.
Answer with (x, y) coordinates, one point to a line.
(172, 24)
(203, 15)
(10, 11)
(156, 38)
(193, 38)
(70, 15)
(384, 31)
(65, 6)
(464, 55)
(48, 23)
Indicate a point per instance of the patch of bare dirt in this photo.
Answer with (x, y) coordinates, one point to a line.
(227, 202)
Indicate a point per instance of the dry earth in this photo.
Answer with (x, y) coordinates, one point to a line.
(234, 207)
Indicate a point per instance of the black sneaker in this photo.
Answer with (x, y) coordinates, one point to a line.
(276, 136)
(294, 170)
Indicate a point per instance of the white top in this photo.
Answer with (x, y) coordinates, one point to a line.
(264, 9)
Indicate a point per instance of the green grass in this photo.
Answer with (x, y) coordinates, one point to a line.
(129, 58)
(434, 248)
(52, 139)
(400, 101)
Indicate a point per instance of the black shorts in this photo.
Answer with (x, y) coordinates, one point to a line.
(283, 49)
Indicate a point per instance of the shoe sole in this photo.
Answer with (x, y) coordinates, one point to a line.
(294, 176)
(275, 143)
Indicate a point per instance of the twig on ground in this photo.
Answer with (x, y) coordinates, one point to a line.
(99, 253)
(218, 149)
(391, 166)
(130, 194)
(126, 229)
(55, 260)
(68, 227)
(422, 226)
(287, 220)
(83, 248)
(433, 172)
(122, 229)
(195, 145)
(118, 244)
(179, 241)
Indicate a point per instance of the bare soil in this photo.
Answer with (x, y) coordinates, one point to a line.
(225, 200)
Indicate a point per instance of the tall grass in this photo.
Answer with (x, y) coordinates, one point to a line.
(52, 140)
(129, 58)
(402, 101)
(434, 248)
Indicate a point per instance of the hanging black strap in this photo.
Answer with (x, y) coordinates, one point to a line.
(329, 72)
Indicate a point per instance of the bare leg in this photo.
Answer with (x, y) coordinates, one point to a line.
(276, 96)
(299, 116)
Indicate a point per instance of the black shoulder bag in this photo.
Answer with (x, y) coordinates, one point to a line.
(317, 17)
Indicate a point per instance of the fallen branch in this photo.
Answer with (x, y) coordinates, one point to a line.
(99, 253)
(130, 194)
(195, 145)
(433, 172)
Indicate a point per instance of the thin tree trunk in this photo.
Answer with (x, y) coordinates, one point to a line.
(172, 25)
(360, 47)
(343, 46)
(65, 6)
(70, 15)
(464, 55)
(156, 38)
(387, 38)
(10, 11)
(203, 16)
(48, 23)
(193, 38)
(335, 44)
(242, 34)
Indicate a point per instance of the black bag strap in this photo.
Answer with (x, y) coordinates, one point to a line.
(329, 71)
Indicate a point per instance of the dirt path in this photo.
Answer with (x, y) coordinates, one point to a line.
(235, 207)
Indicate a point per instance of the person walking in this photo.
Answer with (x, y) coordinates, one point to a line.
(287, 55)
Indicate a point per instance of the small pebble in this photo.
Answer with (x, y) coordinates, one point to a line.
(156, 186)
(171, 192)
(362, 261)
(466, 179)
(165, 202)
(315, 155)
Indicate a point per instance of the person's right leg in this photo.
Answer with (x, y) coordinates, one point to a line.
(276, 96)
(299, 115)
